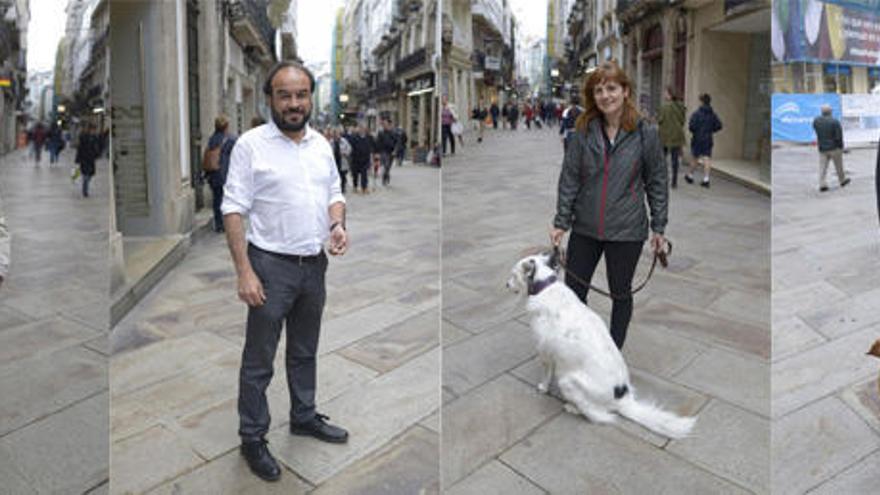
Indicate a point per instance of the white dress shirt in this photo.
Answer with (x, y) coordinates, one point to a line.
(284, 188)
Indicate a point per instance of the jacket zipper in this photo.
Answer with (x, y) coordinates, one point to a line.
(604, 195)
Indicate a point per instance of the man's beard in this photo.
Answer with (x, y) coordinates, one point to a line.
(284, 125)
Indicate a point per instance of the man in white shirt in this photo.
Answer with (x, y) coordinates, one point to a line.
(283, 177)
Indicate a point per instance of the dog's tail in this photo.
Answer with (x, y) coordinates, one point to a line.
(653, 418)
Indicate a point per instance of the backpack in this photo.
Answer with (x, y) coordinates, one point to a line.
(211, 158)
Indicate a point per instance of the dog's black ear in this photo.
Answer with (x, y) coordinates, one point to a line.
(529, 269)
(554, 259)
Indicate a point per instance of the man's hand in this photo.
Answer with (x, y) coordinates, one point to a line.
(556, 236)
(250, 290)
(338, 241)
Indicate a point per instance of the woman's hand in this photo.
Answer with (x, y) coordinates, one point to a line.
(556, 236)
(658, 242)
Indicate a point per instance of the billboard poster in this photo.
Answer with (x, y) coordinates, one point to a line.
(861, 118)
(792, 115)
(846, 31)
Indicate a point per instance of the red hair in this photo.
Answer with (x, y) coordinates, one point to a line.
(607, 72)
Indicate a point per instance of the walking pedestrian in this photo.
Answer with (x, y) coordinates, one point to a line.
(671, 123)
(493, 111)
(505, 118)
(401, 142)
(529, 114)
(87, 151)
(614, 163)
(282, 177)
(447, 118)
(38, 140)
(54, 143)
(569, 120)
(829, 139)
(361, 153)
(479, 116)
(386, 143)
(5, 244)
(215, 164)
(342, 155)
(703, 124)
(513, 114)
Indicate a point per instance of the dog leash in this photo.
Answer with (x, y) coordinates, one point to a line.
(662, 256)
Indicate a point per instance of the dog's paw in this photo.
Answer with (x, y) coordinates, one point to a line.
(571, 409)
(543, 388)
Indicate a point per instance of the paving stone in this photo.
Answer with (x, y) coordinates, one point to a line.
(451, 334)
(230, 475)
(659, 351)
(50, 302)
(485, 311)
(834, 320)
(738, 431)
(680, 289)
(789, 302)
(571, 456)
(820, 371)
(166, 455)
(340, 332)
(410, 464)
(488, 420)
(432, 422)
(42, 337)
(473, 361)
(752, 306)
(860, 478)
(814, 443)
(864, 399)
(65, 452)
(9, 318)
(373, 415)
(494, 477)
(162, 360)
(713, 330)
(397, 344)
(47, 384)
(791, 335)
(740, 379)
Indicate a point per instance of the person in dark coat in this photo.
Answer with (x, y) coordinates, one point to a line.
(493, 111)
(87, 152)
(54, 143)
(217, 179)
(38, 140)
(361, 155)
(671, 123)
(703, 124)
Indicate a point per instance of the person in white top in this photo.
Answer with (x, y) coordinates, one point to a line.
(283, 177)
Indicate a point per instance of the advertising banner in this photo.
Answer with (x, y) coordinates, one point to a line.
(845, 31)
(861, 118)
(792, 115)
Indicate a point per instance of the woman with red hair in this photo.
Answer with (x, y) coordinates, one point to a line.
(612, 174)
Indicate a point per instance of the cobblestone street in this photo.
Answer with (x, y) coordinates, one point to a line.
(826, 274)
(53, 324)
(174, 371)
(699, 342)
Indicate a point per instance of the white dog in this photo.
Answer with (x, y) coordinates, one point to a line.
(574, 344)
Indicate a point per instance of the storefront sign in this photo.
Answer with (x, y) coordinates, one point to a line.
(826, 31)
(492, 63)
(419, 84)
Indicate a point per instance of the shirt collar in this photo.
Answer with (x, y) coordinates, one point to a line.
(275, 132)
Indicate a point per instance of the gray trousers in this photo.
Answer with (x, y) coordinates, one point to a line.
(295, 296)
(837, 157)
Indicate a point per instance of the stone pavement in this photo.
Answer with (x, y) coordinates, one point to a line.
(699, 342)
(826, 279)
(53, 327)
(174, 370)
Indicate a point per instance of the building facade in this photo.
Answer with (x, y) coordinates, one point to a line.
(14, 19)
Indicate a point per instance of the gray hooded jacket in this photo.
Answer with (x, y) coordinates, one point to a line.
(602, 192)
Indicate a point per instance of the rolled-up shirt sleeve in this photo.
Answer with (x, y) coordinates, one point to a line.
(238, 192)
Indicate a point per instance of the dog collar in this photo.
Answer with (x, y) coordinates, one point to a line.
(537, 287)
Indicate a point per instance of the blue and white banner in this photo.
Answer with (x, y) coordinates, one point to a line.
(792, 115)
(861, 118)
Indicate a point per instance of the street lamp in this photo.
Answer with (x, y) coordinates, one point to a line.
(343, 98)
(554, 73)
(61, 108)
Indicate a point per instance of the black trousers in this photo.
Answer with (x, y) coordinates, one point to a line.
(360, 176)
(216, 184)
(446, 133)
(295, 296)
(675, 153)
(621, 258)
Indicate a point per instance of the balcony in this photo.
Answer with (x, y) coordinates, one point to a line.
(383, 89)
(630, 12)
(251, 27)
(410, 62)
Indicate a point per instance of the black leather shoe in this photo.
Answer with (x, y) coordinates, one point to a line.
(260, 460)
(319, 429)
(845, 182)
